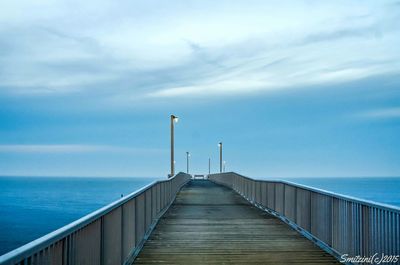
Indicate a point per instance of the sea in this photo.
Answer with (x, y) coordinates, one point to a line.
(31, 207)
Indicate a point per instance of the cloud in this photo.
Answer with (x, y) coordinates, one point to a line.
(130, 50)
(75, 148)
(385, 113)
(362, 32)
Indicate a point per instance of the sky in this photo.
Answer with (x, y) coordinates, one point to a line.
(292, 88)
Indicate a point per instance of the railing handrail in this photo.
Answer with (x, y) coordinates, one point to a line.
(329, 193)
(54, 236)
(337, 223)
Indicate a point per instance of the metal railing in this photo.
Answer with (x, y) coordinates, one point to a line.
(339, 224)
(113, 234)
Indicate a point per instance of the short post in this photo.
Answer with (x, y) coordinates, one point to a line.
(187, 162)
(220, 157)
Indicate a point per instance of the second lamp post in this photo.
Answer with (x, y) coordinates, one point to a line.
(187, 162)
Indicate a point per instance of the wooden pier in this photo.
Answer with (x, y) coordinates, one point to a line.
(227, 219)
(211, 224)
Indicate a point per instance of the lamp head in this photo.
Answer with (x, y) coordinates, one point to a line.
(174, 118)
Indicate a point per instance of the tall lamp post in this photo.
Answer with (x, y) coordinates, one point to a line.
(187, 162)
(220, 157)
(209, 166)
(174, 120)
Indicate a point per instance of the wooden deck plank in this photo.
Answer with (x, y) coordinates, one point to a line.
(211, 224)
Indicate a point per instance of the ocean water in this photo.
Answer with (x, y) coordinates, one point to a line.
(31, 207)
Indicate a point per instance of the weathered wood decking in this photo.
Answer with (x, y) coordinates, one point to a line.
(211, 224)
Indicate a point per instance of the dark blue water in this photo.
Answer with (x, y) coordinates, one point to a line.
(31, 207)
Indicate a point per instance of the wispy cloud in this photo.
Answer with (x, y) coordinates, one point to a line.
(131, 50)
(385, 113)
(75, 148)
(344, 33)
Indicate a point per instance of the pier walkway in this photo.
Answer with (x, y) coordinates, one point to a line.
(227, 219)
(212, 224)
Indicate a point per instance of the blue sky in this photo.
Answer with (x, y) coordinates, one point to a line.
(292, 88)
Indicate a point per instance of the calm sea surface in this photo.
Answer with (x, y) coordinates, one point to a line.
(31, 207)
